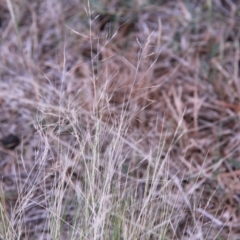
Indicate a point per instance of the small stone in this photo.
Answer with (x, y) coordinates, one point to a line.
(10, 141)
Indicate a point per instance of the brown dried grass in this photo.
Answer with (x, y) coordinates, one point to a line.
(153, 89)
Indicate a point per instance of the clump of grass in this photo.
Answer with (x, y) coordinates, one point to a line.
(126, 122)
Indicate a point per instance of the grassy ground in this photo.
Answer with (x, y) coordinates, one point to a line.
(128, 115)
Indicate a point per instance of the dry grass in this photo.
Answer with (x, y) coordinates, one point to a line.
(129, 119)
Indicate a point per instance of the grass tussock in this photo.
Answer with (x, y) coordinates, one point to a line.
(128, 114)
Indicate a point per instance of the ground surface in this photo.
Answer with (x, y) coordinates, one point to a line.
(128, 115)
